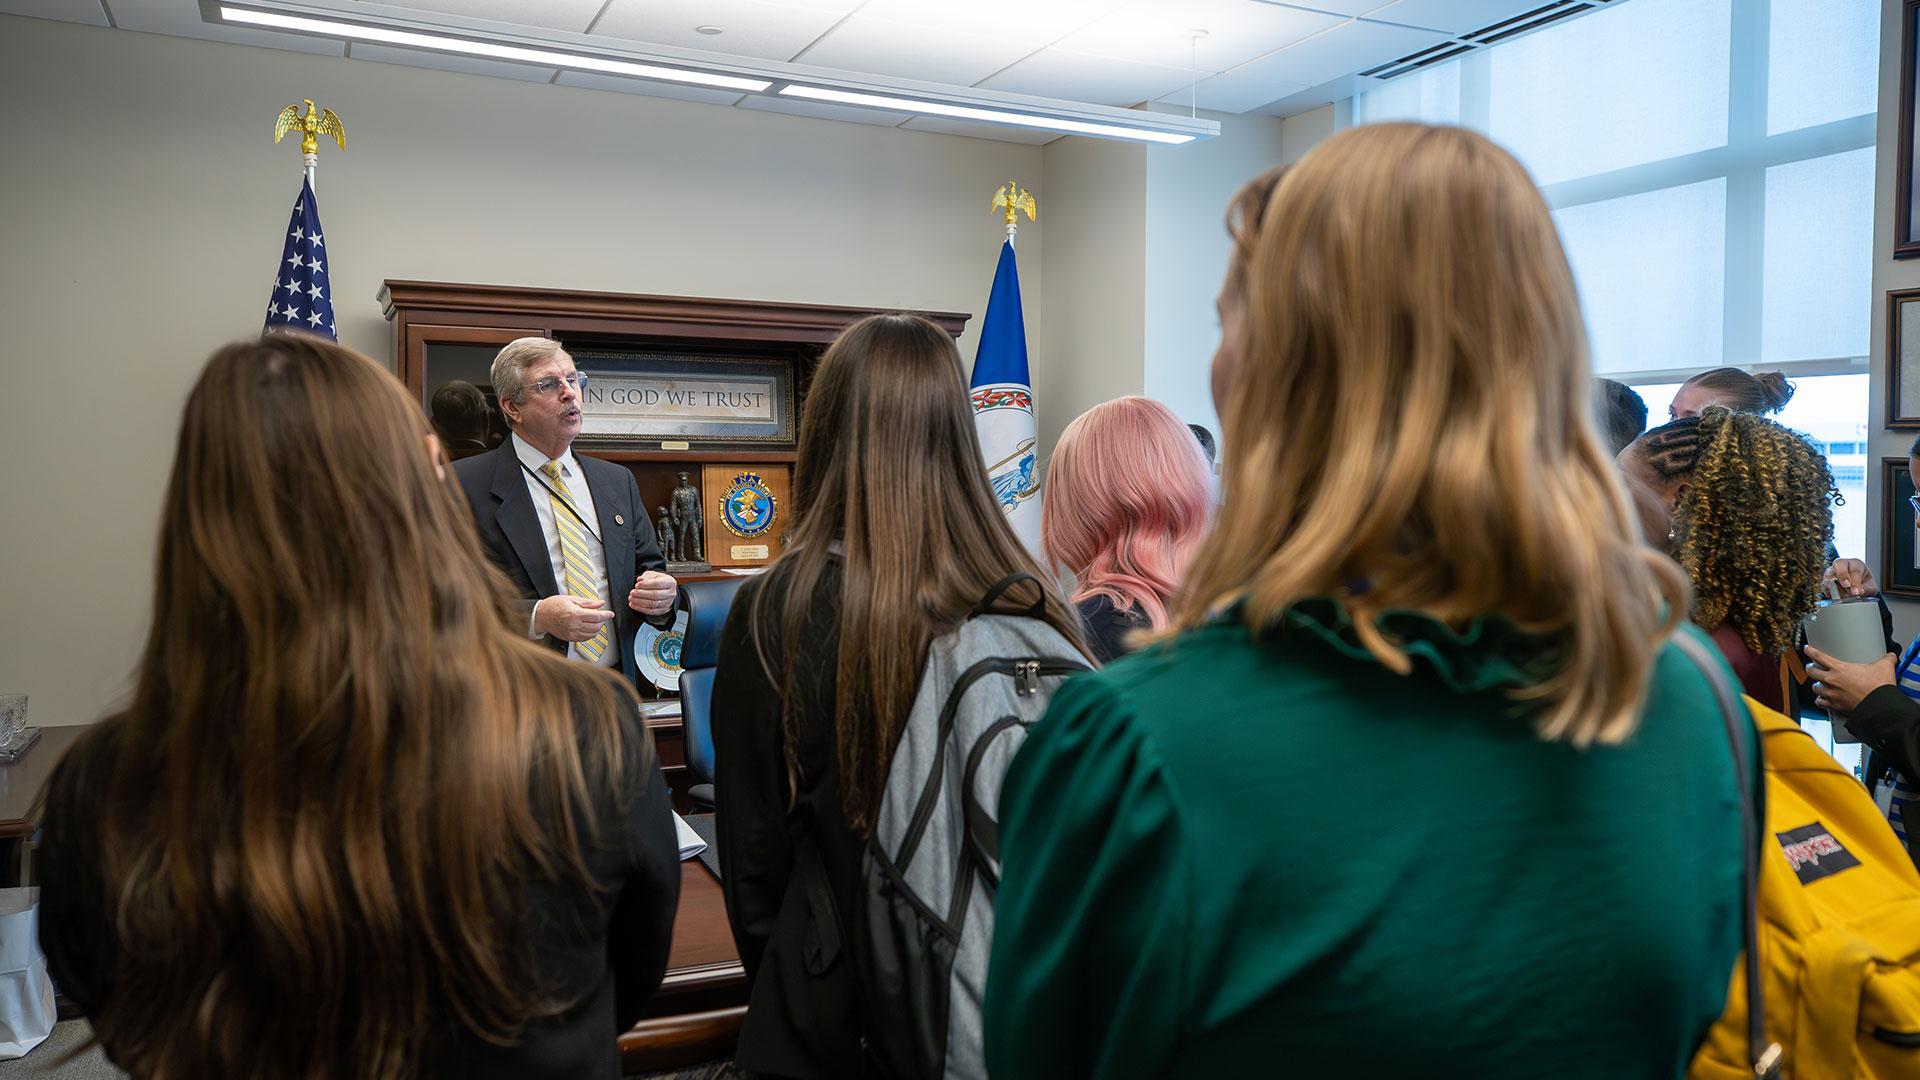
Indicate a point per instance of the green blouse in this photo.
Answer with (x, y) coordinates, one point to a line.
(1231, 857)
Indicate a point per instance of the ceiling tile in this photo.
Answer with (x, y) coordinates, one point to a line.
(469, 65)
(1232, 92)
(878, 47)
(1036, 22)
(1348, 48)
(1337, 7)
(182, 19)
(570, 15)
(1097, 80)
(1453, 16)
(1309, 100)
(757, 28)
(1237, 31)
(647, 87)
(78, 11)
(820, 110)
(941, 125)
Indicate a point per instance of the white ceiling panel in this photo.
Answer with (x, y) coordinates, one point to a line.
(1343, 50)
(78, 11)
(1036, 22)
(1097, 80)
(468, 65)
(1453, 16)
(1237, 31)
(820, 110)
(1339, 7)
(941, 125)
(704, 95)
(756, 28)
(570, 15)
(878, 47)
(1232, 92)
(182, 19)
(1308, 100)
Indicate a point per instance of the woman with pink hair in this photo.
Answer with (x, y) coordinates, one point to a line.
(1128, 494)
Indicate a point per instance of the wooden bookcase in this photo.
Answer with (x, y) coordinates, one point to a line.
(444, 331)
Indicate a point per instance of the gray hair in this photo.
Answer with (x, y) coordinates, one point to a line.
(510, 367)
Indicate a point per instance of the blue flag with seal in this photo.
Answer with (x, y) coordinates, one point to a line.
(1002, 396)
(302, 294)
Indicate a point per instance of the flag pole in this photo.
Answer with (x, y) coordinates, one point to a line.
(312, 161)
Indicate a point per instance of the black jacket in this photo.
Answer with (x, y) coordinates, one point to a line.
(509, 527)
(1108, 626)
(803, 1017)
(605, 951)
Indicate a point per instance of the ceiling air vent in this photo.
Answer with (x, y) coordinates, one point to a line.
(1487, 35)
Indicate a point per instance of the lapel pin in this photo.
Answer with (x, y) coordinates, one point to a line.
(618, 520)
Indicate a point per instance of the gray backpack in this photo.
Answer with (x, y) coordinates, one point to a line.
(921, 938)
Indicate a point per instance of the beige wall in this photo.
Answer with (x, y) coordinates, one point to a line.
(1888, 273)
(141, 209)
(1188, 190)
(1092, 333)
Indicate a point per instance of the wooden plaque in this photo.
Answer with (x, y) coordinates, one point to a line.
(737, 502)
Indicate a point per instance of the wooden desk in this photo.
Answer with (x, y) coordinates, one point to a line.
(695, 1016)
(20, 782)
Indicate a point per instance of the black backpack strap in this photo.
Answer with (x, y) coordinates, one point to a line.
(1037, 611)
(1764, 1057)
(983, 832)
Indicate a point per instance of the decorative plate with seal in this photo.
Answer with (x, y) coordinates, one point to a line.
(658, 652)
(747, 507)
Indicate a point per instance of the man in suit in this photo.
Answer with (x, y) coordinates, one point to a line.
(570, 531)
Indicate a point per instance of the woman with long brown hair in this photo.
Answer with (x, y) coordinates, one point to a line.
(351, 824)
(1416, 784)
(896, 536)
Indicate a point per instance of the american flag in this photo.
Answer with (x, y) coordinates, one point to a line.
(302, 293)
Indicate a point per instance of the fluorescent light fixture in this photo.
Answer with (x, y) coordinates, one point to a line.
(470, 47)
(989, 116)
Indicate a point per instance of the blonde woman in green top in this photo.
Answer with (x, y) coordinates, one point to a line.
(1415, 786)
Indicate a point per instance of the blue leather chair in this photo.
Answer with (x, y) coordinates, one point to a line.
(707, 604)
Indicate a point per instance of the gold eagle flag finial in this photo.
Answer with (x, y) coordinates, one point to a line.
(1016, 198)
(315, 123)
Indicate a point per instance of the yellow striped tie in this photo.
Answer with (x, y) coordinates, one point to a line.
(575, 543)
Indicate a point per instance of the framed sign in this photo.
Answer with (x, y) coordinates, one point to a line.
(1906, 244)
(1899, 564)
(1903, 358)
(660, 400)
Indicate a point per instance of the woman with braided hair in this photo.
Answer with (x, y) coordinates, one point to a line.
(1750, 507)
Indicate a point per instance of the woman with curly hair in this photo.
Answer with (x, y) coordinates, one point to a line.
(1751, 508)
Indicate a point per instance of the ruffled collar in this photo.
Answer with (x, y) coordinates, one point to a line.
(1489, 653)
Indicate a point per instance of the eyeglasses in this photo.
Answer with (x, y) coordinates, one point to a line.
(1914, 501)
(551, 384)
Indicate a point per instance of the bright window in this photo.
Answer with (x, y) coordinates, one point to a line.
(1710, 165)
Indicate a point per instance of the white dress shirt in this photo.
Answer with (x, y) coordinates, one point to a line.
(570, 474)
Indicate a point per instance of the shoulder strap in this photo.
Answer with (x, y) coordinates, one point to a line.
(1037, 611)
(1753, 801)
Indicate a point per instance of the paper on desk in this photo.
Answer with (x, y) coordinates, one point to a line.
(690, 842)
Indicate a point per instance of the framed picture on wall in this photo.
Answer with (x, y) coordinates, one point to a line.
(1903, 356)
(1906, 243)
(1899, 556)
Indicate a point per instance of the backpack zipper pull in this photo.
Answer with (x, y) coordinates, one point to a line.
(1026, 678)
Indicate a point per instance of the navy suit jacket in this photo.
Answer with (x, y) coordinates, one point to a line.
(509, 529)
